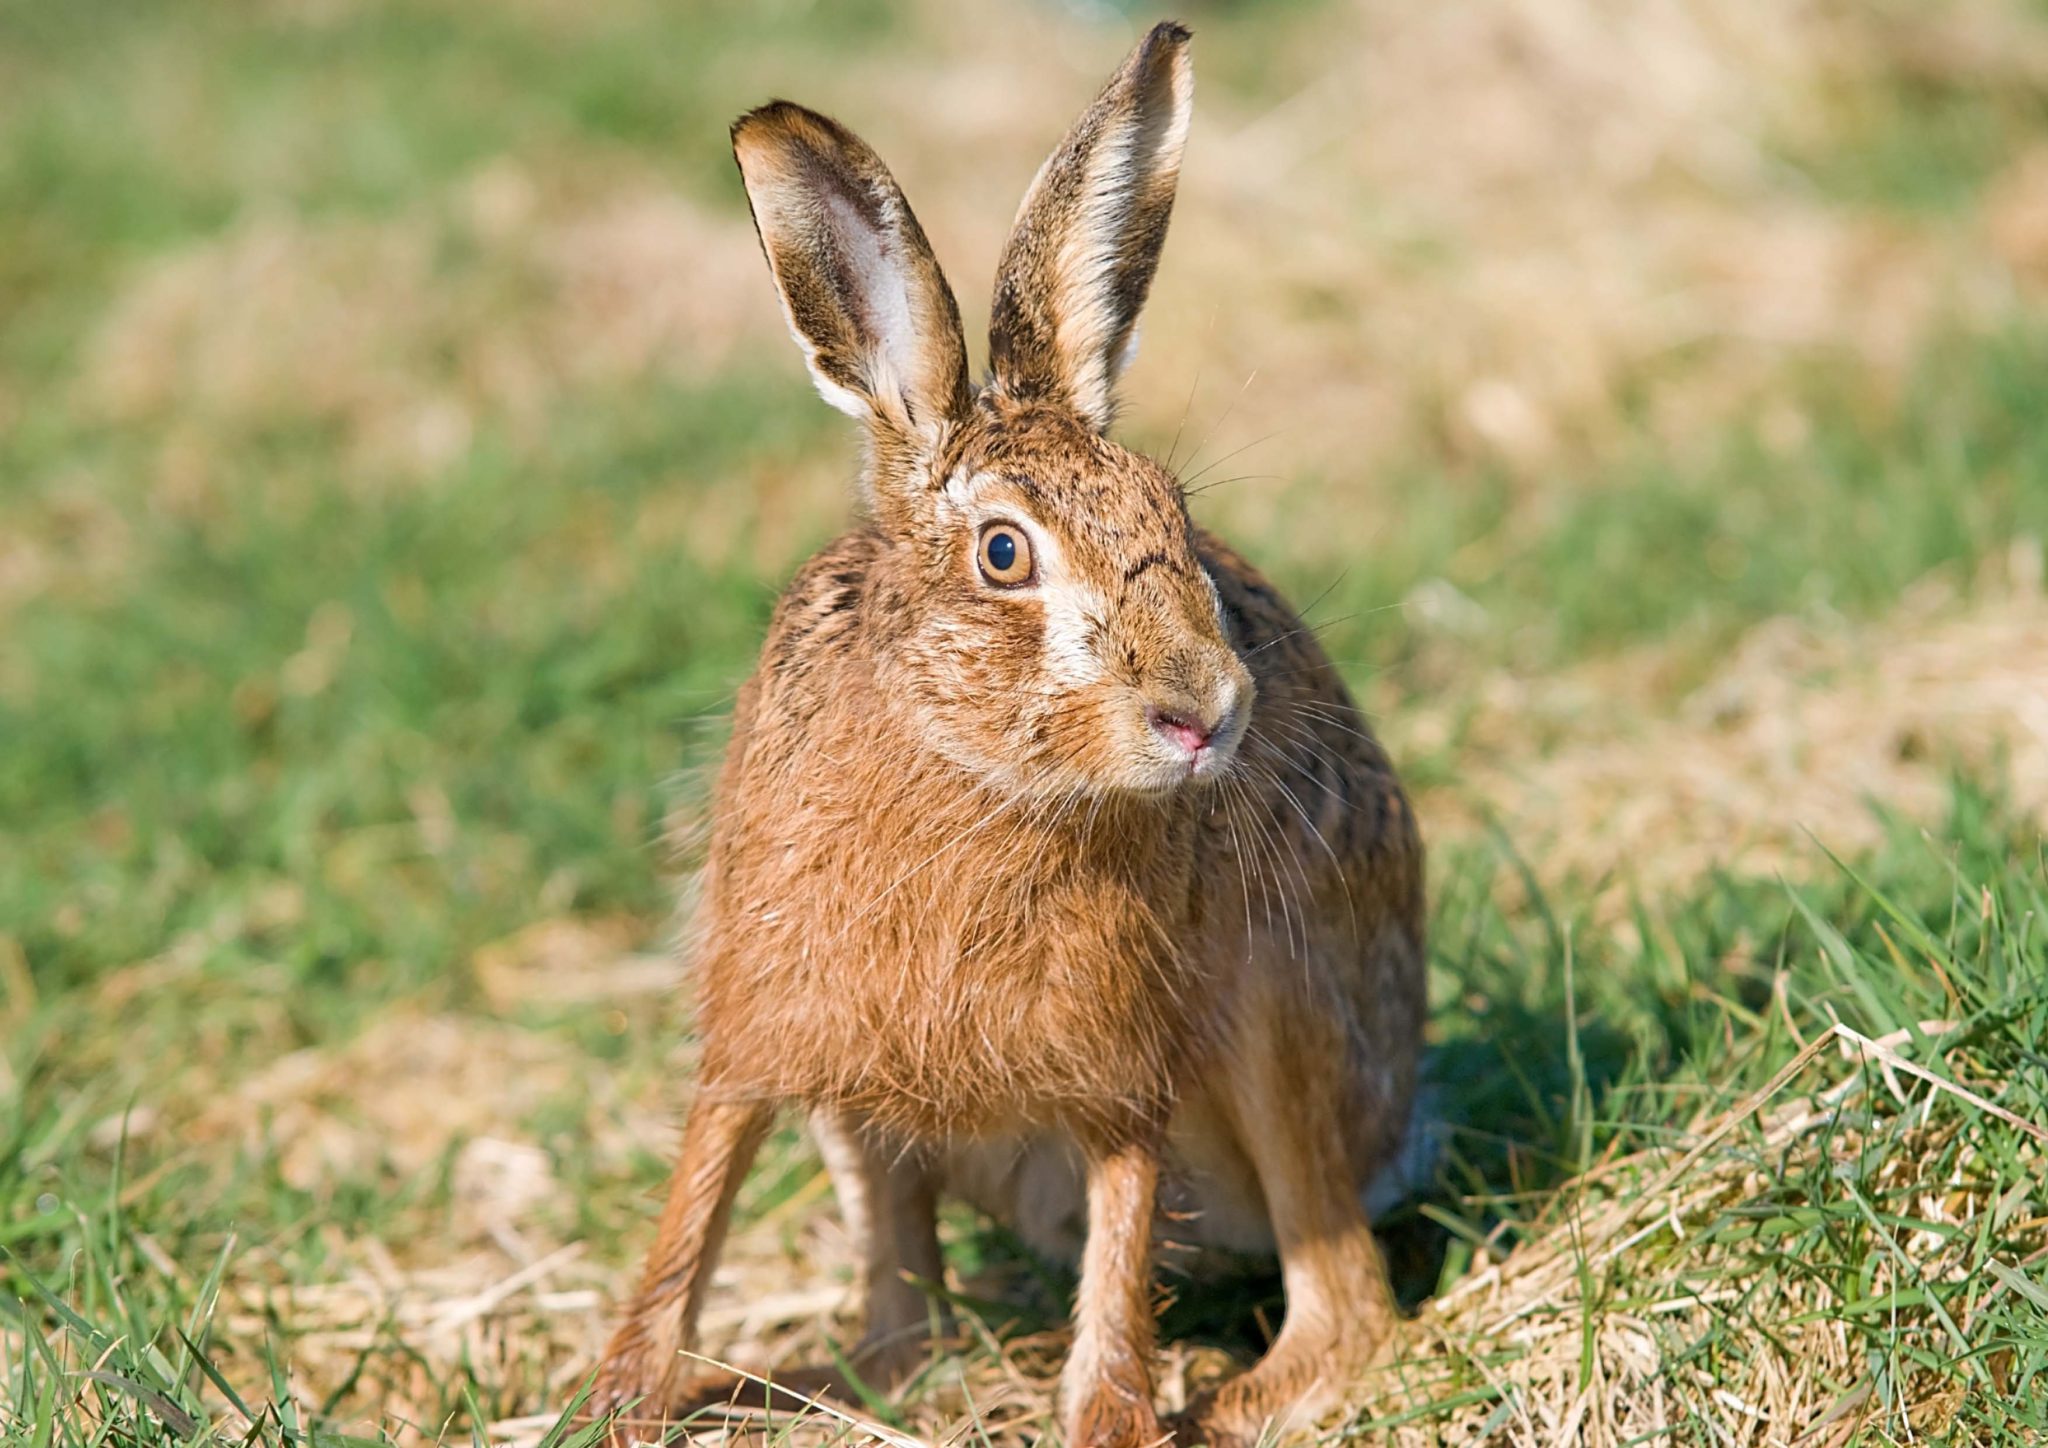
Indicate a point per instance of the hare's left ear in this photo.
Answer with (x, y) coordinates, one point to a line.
(1086, 241)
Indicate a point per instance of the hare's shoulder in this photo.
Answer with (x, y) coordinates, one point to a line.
(1277, 646)
(817, 620)
(1258, 617)
(812, 665)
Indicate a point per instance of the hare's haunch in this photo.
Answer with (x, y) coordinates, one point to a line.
(1052, 864)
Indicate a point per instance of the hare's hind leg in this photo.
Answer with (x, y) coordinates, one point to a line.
(1286, 1084)
(888, 1198)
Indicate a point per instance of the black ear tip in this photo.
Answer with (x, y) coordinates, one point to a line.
(1163, 51)
(1167, 32)
(788, 129)
(758, 116)
(777, 113)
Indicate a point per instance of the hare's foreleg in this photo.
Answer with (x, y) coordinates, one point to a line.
(1285, 1083)
(1106, 1388)
(645, 1358)
(889, 1201)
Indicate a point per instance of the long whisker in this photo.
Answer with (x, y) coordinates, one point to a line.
(1259, 820)
(1299, 735)
(1330, 717)
(1226, 482)
(1188, 407)
(1219, 462)
(1237, 851)
(1343, 877)
(1307, 628)
(1237, 798)
(1229, 408)
(1307, 890)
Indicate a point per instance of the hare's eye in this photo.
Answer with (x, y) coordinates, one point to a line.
(1005, 555)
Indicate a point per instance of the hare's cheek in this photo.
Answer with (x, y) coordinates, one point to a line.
(1071, 635)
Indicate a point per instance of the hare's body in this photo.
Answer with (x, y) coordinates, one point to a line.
(887, 934)
(1310, 951)
(1045, 825)
(909, 988)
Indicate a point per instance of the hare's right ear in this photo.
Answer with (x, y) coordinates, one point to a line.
(1086, 241)
(862, 291)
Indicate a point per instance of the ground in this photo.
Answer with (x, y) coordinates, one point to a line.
(399, 455)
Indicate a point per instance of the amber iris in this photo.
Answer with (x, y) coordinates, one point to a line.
(1005, 555)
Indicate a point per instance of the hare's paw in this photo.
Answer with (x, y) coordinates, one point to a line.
(1111, 1419)
(632, 1412)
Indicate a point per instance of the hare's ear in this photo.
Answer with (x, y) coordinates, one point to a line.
(1086, 241)
(862, 291)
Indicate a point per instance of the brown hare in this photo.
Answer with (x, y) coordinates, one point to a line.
(1051, 864)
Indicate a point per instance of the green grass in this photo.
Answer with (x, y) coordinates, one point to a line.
(1925, 135)
(268, 691)
(1567, 1043)
(134, 126)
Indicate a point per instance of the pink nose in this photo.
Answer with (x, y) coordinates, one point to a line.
(1180, 730)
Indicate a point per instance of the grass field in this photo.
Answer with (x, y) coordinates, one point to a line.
(399, 456)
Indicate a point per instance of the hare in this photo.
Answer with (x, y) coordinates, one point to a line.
(1046, 829)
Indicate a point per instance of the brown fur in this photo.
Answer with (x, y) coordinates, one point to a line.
(961, 897)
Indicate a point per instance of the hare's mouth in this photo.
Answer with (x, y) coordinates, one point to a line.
(1184, 746)
(1200, 745)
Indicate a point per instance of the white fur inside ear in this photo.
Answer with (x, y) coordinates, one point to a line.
(1128, 355)
(1137, 157)
(849, 402)
(881, 292)
(881, 297)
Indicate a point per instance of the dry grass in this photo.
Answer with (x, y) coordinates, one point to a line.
(563, 282)
(1590, 1367)
(1799, 732)
(1570, 1338)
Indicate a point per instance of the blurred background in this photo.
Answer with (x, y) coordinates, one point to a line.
(401, 450)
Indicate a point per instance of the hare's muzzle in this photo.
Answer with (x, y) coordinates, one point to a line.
(1199, 738)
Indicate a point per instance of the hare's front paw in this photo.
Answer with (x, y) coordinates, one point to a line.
(1111, 1419)
(632, 1412)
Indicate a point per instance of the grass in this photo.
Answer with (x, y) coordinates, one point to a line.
(1810, 1234)
(374, 573)
(1843, 1237)
(1883, 488)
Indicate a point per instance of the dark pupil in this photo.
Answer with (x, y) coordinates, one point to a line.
(1002, 552)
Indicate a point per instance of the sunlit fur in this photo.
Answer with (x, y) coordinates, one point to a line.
(964, 899)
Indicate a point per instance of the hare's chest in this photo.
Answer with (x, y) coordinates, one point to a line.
(968, 1006)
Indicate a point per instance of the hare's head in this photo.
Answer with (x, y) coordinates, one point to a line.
(1041, 605)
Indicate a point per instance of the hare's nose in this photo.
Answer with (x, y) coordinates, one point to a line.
(1204, 732)
(1183, 729)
